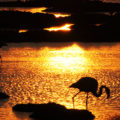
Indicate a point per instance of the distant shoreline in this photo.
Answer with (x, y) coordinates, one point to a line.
(87, 27)
(90, 6)
(21, 4)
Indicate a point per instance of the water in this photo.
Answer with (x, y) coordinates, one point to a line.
(23, 9)
(42, 73)
(35, 10)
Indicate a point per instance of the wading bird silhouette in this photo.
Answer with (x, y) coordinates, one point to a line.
(88, 84)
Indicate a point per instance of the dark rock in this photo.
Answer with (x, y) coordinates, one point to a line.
(53, 111)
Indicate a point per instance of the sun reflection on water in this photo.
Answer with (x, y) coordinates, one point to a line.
(65, 27)
(70, 58)
(43, 73)
(22, 31)
(32, 10)
(59, 15)
(35, 10)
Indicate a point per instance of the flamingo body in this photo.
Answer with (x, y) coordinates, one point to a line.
(88, 84)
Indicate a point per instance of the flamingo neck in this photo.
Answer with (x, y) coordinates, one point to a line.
(100, 91)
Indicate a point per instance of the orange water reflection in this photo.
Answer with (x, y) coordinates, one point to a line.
(65, 27)
(64, 59)
(59, 15)
(98, 25)
(22, 31)
(35, 10)
(40, 74)
(70, 58)
(73, 55)
(32, 10)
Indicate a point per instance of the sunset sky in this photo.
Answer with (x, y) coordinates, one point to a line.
(118, 1)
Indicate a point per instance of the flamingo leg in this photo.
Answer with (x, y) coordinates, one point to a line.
(87, 101)
(73, 98)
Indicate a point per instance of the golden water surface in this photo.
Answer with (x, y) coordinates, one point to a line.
(43, 72)
(35, 10)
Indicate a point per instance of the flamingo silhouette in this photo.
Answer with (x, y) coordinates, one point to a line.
(88, 84)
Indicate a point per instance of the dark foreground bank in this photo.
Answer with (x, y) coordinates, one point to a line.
(3, 95)
(53, 111)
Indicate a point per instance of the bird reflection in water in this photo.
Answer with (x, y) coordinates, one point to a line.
(88, 84)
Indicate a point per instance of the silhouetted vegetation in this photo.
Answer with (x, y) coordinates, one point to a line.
(53, 111)
(25, 20)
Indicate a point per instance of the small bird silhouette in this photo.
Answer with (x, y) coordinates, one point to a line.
(88, 84)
